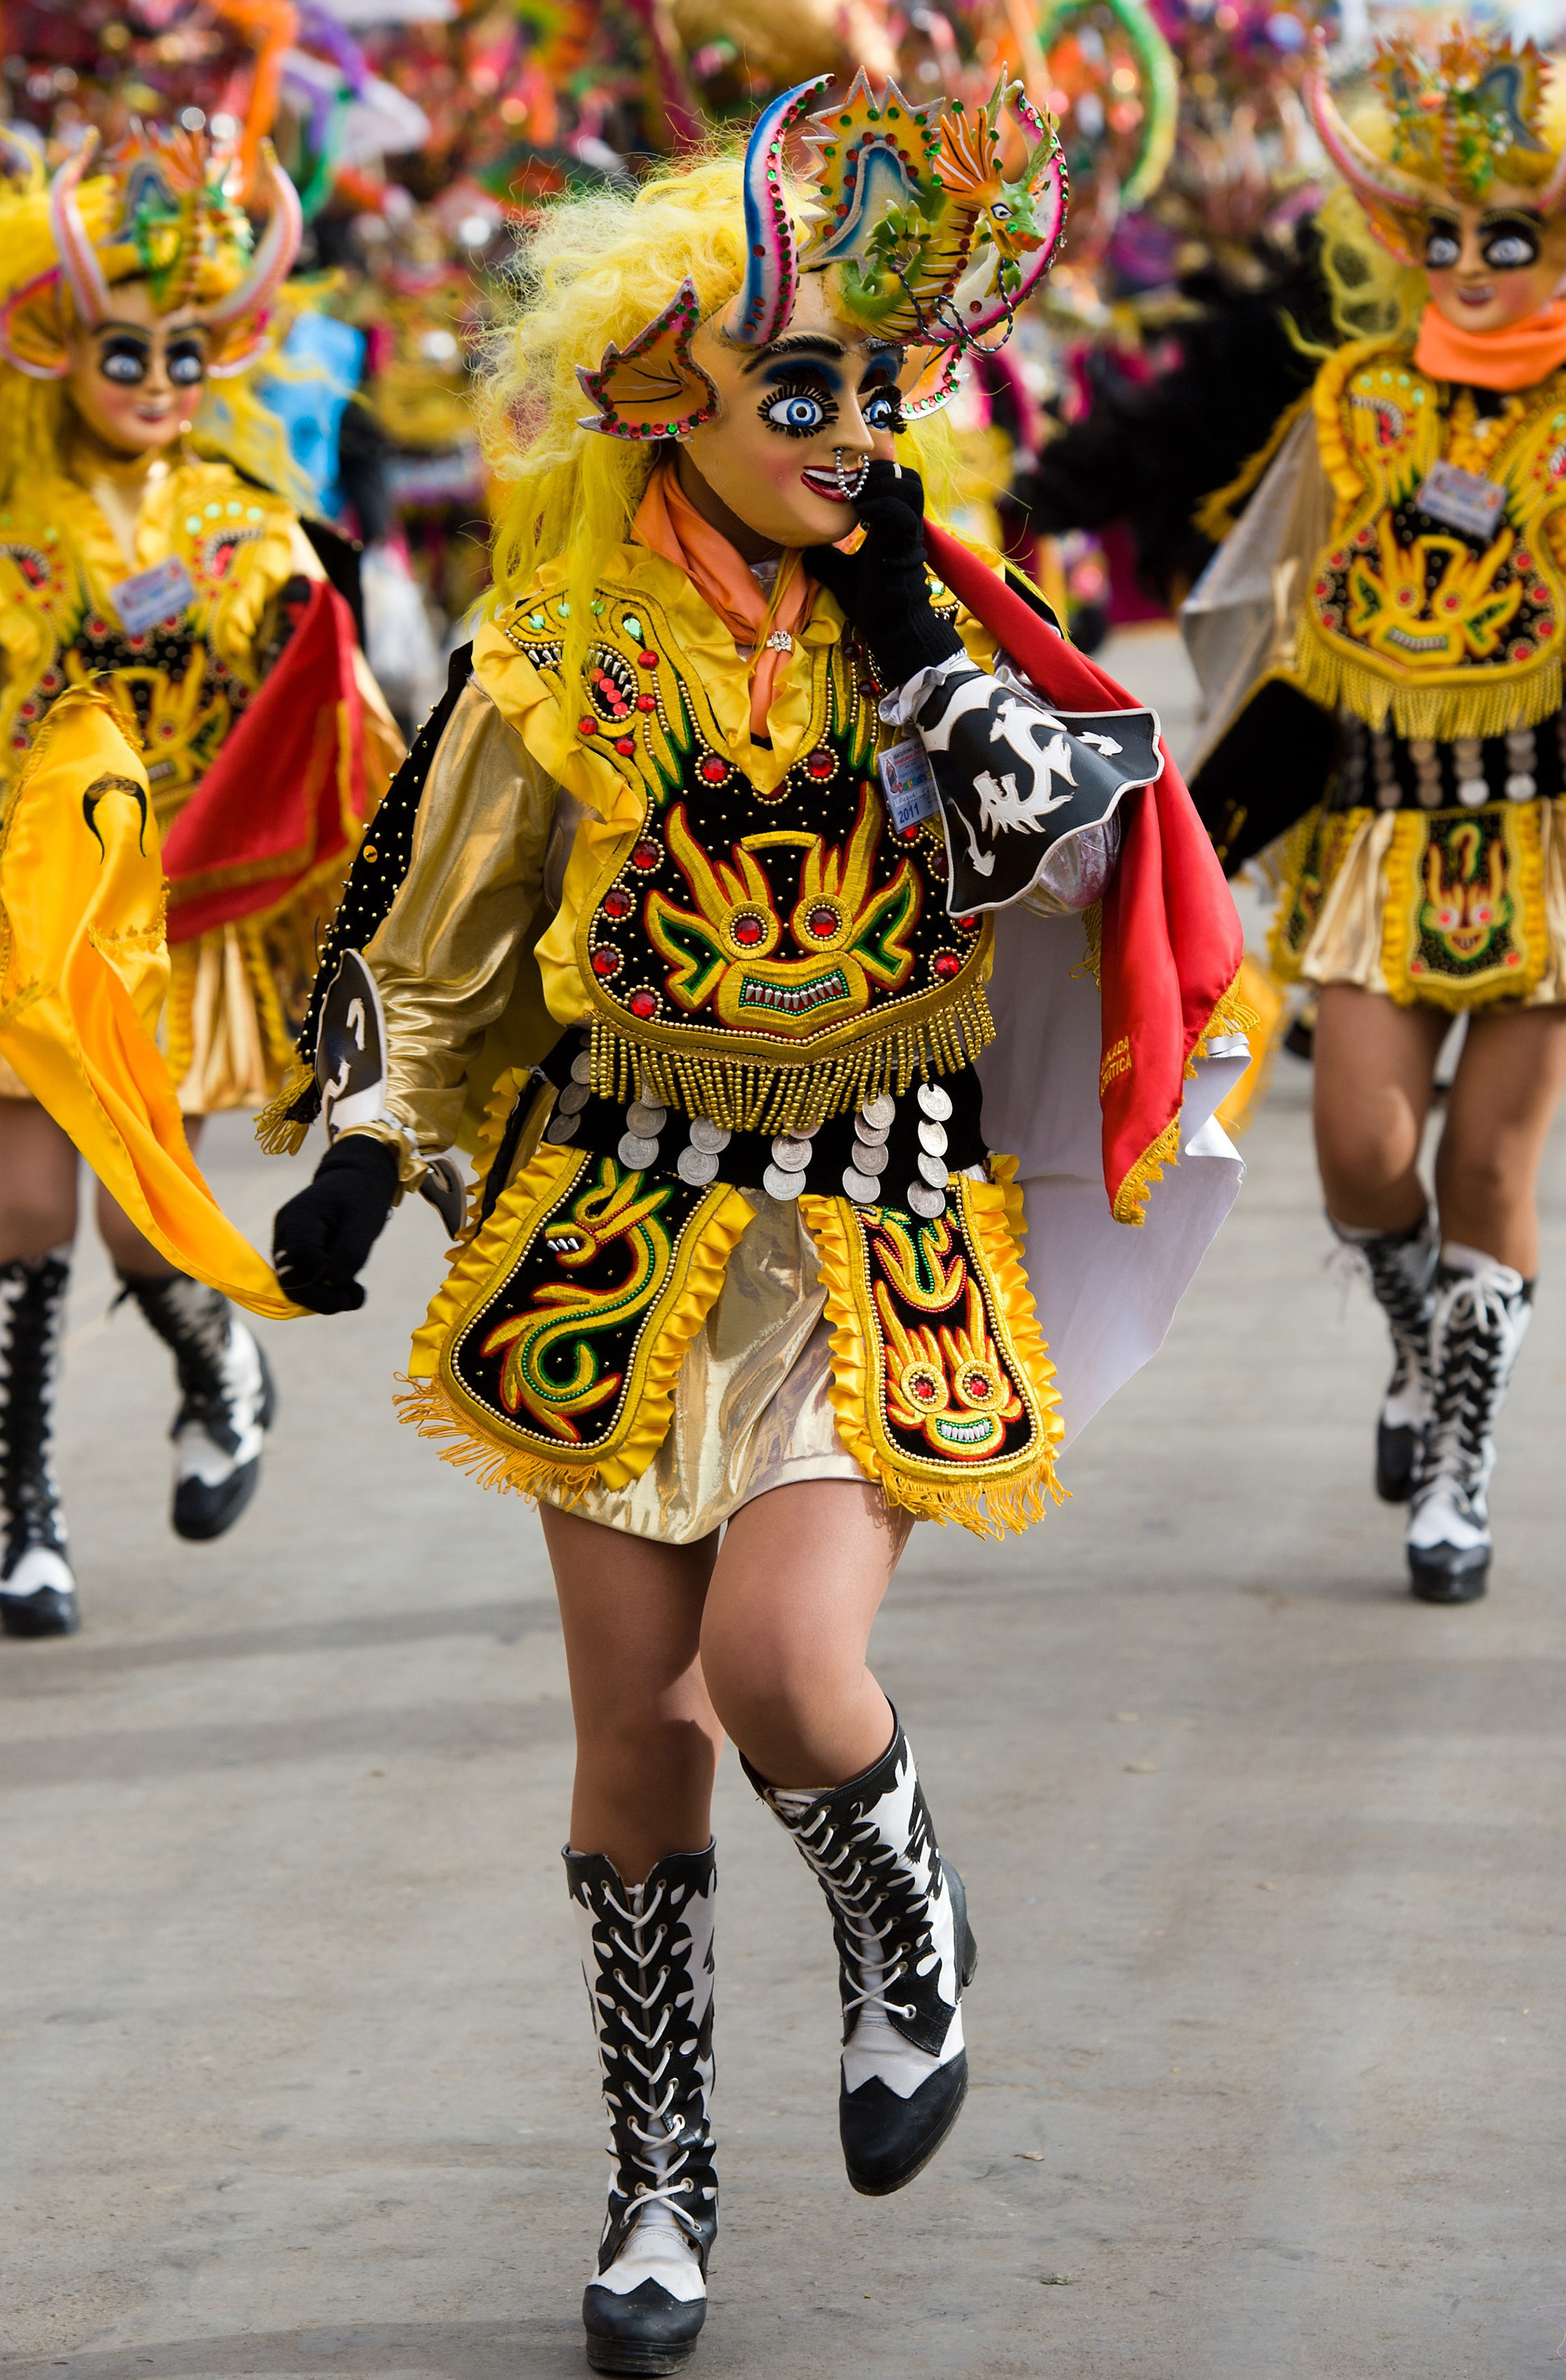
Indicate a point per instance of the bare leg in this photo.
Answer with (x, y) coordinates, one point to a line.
(1374, 1068)
(1508, 1083)
(794, 1592)
(38, 1194)
(647, 1738)
(130, 1253)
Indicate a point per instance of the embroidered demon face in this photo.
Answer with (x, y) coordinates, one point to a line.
(786, 936)
(1434, 604)
(1463, 911)
(949, 1384)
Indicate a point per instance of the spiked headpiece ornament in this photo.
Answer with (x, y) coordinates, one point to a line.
(173, 224)
(1455, 126)
(910, 211)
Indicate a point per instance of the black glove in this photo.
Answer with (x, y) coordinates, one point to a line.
(882, 588)
(323, 1238)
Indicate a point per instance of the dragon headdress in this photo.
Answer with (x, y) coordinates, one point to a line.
(907, 208)
(1452, 127)
(162, 210)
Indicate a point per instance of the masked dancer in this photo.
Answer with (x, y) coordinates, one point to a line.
(135, 317)
(682, 916)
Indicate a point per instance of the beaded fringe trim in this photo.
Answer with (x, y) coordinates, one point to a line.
(1495, 702)
(769, 1095)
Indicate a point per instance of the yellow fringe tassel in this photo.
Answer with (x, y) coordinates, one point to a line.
(759, 1094)
(280, 1133)
(1492, 702)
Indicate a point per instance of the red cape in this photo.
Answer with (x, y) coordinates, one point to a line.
(283, 803)
(1172, 935)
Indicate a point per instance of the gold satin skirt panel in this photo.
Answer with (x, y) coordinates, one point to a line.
(752, 1408)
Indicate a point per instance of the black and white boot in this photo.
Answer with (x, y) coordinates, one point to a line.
(1401, 1269)
(647, 1957)
(900, 1924)
(1481, 1313)
(37, 1591)
(226, 1403)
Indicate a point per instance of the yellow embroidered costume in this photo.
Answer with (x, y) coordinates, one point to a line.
(81, 534)
(674, 949)
(1401, 568)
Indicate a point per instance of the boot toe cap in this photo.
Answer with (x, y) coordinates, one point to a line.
(204, 1510)
(886, 2140)
(647, 2329)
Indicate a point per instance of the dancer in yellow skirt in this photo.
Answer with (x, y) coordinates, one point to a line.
(1382, 635)
(128, 557)
(685, 917)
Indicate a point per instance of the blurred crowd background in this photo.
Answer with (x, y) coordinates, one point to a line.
(1190, 306)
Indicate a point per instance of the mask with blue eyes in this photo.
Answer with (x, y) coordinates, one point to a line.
(126, 359)
(801, 405)
(1507, 243)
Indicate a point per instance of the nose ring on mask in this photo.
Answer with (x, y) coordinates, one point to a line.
(851, 483)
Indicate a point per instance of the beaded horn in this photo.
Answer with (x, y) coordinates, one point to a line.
(760, 312)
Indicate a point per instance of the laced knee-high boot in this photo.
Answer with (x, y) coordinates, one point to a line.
(37, 1591)
(227, 1400)
(1401, 1269)
(900, 1921)
(646, 1956)
(1481, 1313)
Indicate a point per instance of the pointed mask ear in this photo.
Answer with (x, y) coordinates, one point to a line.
(654, 389)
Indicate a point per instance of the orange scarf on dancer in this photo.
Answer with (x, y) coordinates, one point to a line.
(1506, 360)
(670, 524)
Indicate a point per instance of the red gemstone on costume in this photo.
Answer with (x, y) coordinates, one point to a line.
(947, 964)
(646, 854)
(924, 1389)
(749, 932)
(909, 834)
(966, 924)
(625, 745)
(648, 661)
(643, 1003)
(821, 763)
(617, 905)
(975, 1385)
(647, 702)
(822, 922)
(587, 727)
(712, 768)
(606, 963)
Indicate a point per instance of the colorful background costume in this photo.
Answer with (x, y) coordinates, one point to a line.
(1379, 641)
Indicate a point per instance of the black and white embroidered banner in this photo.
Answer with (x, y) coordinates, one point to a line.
(1016, 779)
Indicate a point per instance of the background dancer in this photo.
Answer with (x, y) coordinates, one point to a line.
(1402, 720)
(129, 551)
(741, 1292)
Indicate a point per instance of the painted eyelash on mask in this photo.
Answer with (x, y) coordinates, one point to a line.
(806, 386)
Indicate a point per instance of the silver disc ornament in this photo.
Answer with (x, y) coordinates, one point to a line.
(925, 1201)
(935, 1102)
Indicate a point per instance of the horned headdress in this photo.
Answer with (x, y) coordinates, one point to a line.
(162, 210)
(1451, 127)
(907, 208)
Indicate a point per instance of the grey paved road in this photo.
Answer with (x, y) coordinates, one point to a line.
(1264, 1861)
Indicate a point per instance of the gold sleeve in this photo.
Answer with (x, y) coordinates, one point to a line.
(445, 960)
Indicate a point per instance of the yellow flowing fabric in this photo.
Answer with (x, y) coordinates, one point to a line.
(83, 972)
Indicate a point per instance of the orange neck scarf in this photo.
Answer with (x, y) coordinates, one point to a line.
(668, 522)
(1507, 360)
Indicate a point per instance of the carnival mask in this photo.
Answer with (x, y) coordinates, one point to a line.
(1471, 189)
(176, 235)
(917, 246)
